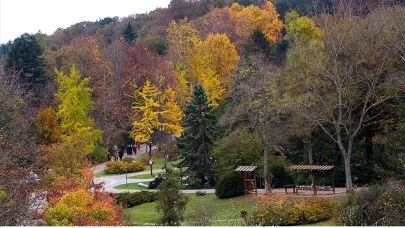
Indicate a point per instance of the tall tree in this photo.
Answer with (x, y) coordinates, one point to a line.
(78, 134)
(129, 33)
(302, 31)
(200, 131)
(48, 131)
(154, 112)
(347, 74)
(25, 57)
(258, 104)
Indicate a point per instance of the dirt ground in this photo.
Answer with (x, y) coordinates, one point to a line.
(339, 195)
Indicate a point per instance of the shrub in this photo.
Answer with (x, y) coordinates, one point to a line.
(127, 159)
(99, 154)
(377, 205)
(201, 215)
(230, 185)
(128, 199)
(286, 210)
(119, 167)
(282, 175)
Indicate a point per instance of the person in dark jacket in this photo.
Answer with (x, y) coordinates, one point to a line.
(121, 154)
(129, 149)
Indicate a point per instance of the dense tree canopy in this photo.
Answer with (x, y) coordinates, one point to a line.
(297, 82)
(25, 58)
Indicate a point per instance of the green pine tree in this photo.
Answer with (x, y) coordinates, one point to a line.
(25, 57)
(129, 33)
(200, 132)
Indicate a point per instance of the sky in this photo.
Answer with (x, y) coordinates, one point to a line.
(30, 16)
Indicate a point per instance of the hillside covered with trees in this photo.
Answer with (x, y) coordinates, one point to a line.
(232, 82)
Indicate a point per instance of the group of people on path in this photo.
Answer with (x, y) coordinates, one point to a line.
(117, 155)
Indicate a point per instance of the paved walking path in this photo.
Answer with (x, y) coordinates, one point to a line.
(112, 181)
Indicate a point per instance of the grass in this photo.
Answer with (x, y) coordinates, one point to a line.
(132, 186)
(224, 209)
(148, 176)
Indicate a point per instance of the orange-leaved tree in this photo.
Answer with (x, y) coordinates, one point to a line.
(48, 131)
(74, 200)
(238, 22)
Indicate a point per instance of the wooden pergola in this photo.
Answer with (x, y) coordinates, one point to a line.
(249, 178)
(315, 170)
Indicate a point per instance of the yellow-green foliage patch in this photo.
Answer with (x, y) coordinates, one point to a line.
(123, 167)
(279, 210)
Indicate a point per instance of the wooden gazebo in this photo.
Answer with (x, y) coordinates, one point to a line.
(249, 178)
(315, 170)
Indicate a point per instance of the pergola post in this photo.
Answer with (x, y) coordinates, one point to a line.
(254, 174)
(314, 171)
(333, 180)
(314, 181)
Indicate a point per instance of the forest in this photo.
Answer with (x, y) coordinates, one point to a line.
(220, 83)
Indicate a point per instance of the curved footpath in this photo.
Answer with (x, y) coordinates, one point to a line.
(111, 181)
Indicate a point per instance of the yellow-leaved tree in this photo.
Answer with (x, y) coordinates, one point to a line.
(207, 62)
(78, 134)
(154, 111)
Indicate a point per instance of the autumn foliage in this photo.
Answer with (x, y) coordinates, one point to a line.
(75, 201)
(48, 127)
(283, 210)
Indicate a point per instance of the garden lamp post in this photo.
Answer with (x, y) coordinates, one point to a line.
(126, 175)
(150, 163)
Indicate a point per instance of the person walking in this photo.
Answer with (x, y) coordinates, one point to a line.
(115, 155)
(109, 156)
(121, 154)
(134, 149)
(129, 149)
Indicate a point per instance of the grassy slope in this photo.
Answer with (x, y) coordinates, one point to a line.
(224, 209)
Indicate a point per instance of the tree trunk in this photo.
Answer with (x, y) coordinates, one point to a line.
(348, 173)
(265, 162)
(310, 159)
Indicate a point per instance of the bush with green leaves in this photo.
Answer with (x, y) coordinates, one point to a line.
(99, 154)
(378, 205)
(128, 199)
(284, 210)
(127, 159)
(282, 175)
(230, 185)
(121, 167)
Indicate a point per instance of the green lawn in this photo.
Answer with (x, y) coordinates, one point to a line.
(160, 164)
(131, 186)
(148, 176)
(224, 209)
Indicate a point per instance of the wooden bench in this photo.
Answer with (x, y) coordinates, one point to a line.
(293, 186)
